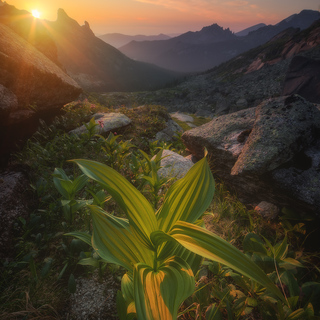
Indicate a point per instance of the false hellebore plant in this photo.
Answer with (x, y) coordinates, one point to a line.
(161, 251)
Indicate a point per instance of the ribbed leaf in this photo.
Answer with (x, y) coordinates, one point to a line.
(188, 198)
(209, 245)
(127, 288)
(65, 186)
(158, 294)
(113, 240)
(89, 262)
(127, 304)
(170, 247)
(85, 237)
(132, 202)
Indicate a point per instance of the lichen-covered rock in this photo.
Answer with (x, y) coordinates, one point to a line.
(168, 133)
(174, 165)
(282, 127)
(182, 117)
(269, 153)
(224, 136)
(105, 122)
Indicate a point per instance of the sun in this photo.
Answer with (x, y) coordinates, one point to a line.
(36, 13)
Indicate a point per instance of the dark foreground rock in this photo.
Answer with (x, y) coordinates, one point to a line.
(268, 153)
(15, 202)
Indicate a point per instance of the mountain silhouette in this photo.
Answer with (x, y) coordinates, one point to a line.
(202, 50)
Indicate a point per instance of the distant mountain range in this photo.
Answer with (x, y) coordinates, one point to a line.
(202, 50)
(118, 40)
(92, 63)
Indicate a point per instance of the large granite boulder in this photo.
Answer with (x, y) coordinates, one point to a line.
(282, 128)
(303, 78)
(29, 75)
(268, 153)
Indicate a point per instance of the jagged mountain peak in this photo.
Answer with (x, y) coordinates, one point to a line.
(64, 22)
(214, 28)
(63, 18)
(62, 15)
(209, 34)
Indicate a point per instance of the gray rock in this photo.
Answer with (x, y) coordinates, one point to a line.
(283, 127)
(174, 165)
(168, 133)
(269, 153)
(182, 117)
(267, 210)
(106, 122)
(225, 134)
(242, 103)
(204, 113)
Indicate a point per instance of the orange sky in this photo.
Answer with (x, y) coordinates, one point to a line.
(167, 16)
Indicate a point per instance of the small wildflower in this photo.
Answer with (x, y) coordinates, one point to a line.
(101, 123)
(115, 133)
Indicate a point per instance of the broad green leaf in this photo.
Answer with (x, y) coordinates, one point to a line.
(89, 262)
(65, 186)
(158, 294)
(58, 177)
(133, 203)
(85, 237)
(210, 246)
(300, 314)
(281, 250)
(290, 263)
(79, 183)
(188, 198)
(127, 288)
(290, 281)
(253, 243)
(113, 240)
(121, 303)
(172, 248)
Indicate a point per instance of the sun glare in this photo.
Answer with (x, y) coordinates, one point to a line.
(36, 13)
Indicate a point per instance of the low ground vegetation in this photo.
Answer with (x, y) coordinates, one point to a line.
(37, 281)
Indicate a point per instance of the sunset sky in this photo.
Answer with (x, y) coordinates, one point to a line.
(150, 17)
